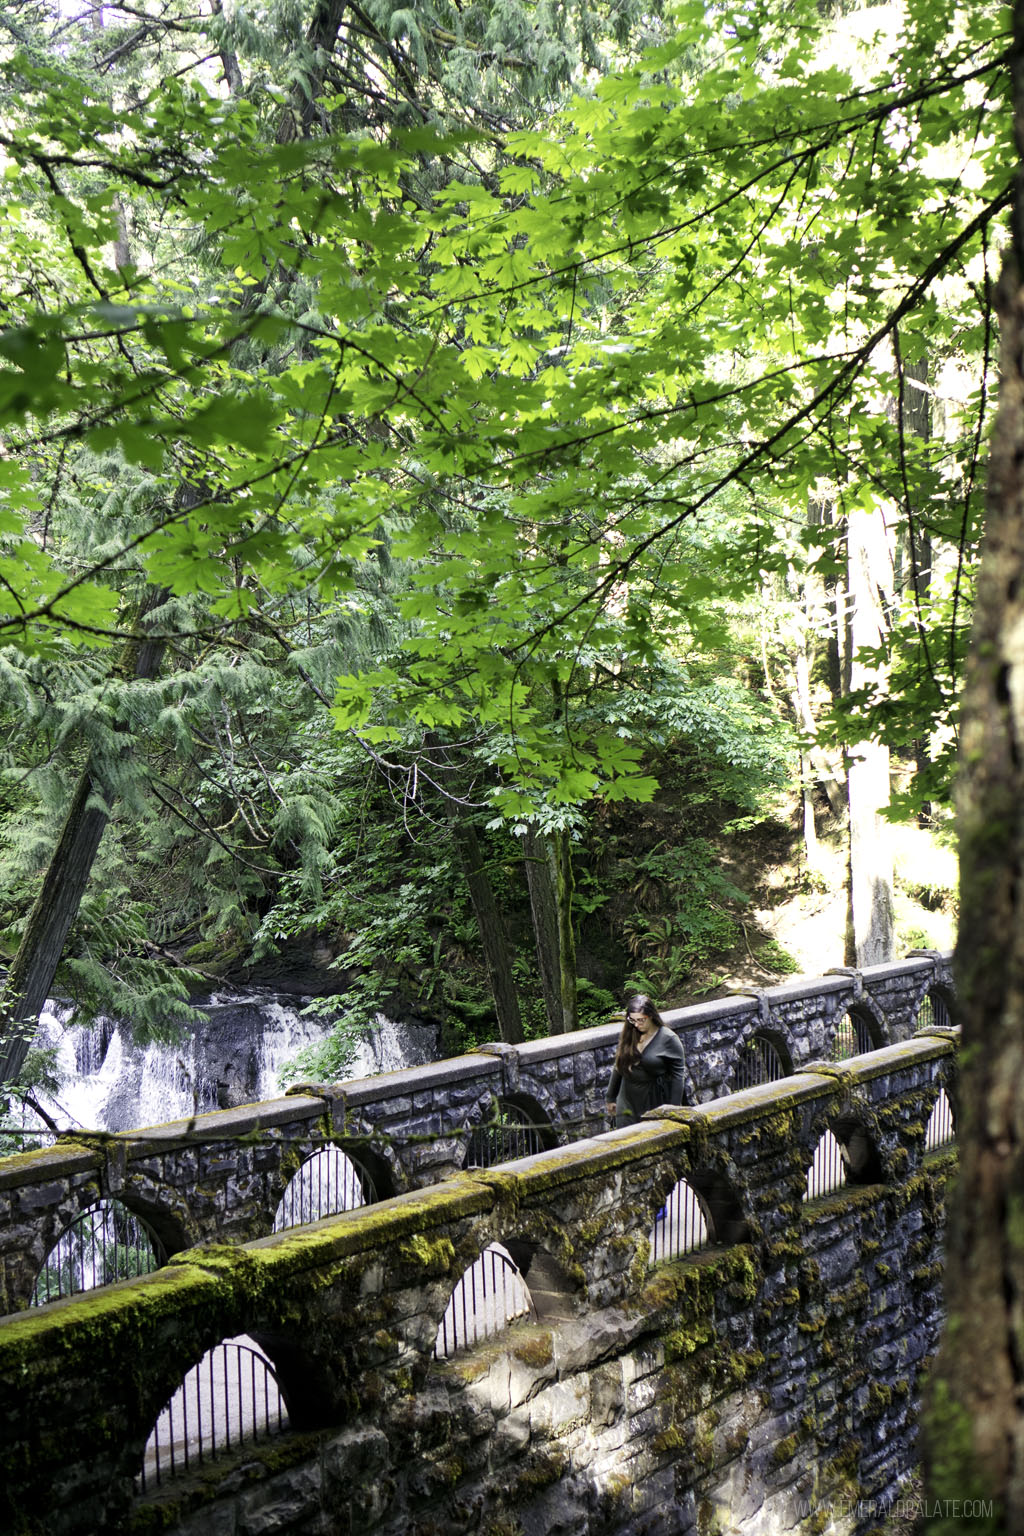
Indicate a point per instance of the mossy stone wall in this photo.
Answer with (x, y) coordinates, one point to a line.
(760, 1384)
(219, 1177)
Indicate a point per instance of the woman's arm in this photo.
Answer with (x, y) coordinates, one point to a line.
(673, 1065)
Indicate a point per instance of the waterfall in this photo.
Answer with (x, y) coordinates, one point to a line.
(233, 1056)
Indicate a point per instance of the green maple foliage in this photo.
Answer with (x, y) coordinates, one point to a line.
(684, 287)
(574, 381)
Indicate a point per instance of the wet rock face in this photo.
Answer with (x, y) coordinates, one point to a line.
(244, 1040)
(229, 1048)
(303, 968)
(232, 1057)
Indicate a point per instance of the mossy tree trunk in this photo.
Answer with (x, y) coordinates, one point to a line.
(870, 882)
(30, 978)
(301, 115)
(498, 952)
(490, 924)
(547, 856)
(974, 1447)
(915, 552)
(548, 860)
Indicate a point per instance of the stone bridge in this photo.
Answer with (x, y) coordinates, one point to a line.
(221, 1176)
(767, 1380)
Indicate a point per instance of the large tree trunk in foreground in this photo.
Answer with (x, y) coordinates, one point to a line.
(30, 978)
(975, 1416)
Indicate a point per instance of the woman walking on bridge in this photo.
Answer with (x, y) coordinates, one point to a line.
(650, 1064)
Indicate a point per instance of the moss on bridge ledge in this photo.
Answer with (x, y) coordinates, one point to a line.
(757, 1364)
(118, 1317)
(545, 1172)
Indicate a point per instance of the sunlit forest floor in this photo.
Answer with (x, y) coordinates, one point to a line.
(795, 920)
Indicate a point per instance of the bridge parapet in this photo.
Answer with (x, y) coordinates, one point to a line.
(752, 1382)
(220, 1177)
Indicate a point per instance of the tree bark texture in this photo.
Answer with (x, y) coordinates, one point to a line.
(919, 553)
(974, 1443)
(870, 930)
(228, 58)
(30, 978)
(548, 860)
(303, 107)
(489, 922)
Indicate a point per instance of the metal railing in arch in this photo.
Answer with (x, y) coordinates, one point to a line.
(683, 1225)
(491, 1294)
(327, 1183)
(758, 1062)
(508, 1134)
(828, 1168)
(104, 1244)
(940, 1130)
(852, 1038)
(933, 1012)
(229, 1398)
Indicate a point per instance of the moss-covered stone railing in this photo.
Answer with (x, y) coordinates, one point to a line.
(220, 1176)
(760, 1384)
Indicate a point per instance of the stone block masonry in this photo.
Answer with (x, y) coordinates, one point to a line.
(219, 1177)
(744, 1388)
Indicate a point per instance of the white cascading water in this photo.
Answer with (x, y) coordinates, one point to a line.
(387, 1047)
(108, 1083)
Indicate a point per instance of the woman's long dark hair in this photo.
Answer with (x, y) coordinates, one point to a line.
(627, 1053)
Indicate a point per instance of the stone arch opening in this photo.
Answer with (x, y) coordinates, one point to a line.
(171, 1229)
(551, 1289)
(858, 1031)
(701, 1210)
(229, 1398)
(335, 1178)
(490, 1296)
(377, 1172)
(511, 1126)
(762, 1058)
(934, 1010)
(827, 1172)
(940, 1131)
(684, 1224)
(844, 1154)
(728, 1221)
(104, 1243)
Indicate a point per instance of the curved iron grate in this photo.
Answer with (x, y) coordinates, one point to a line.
(106, 1243)
(325, 1184)
(852, 1038)
(758, 1062)
(828, 1168)
(940, 1130)
(504, 1137)
(491, 1294)
(230, 1397)
(933, 1012)
(683, 1225)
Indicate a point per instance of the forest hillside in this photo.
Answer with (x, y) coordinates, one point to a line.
(490, 501)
